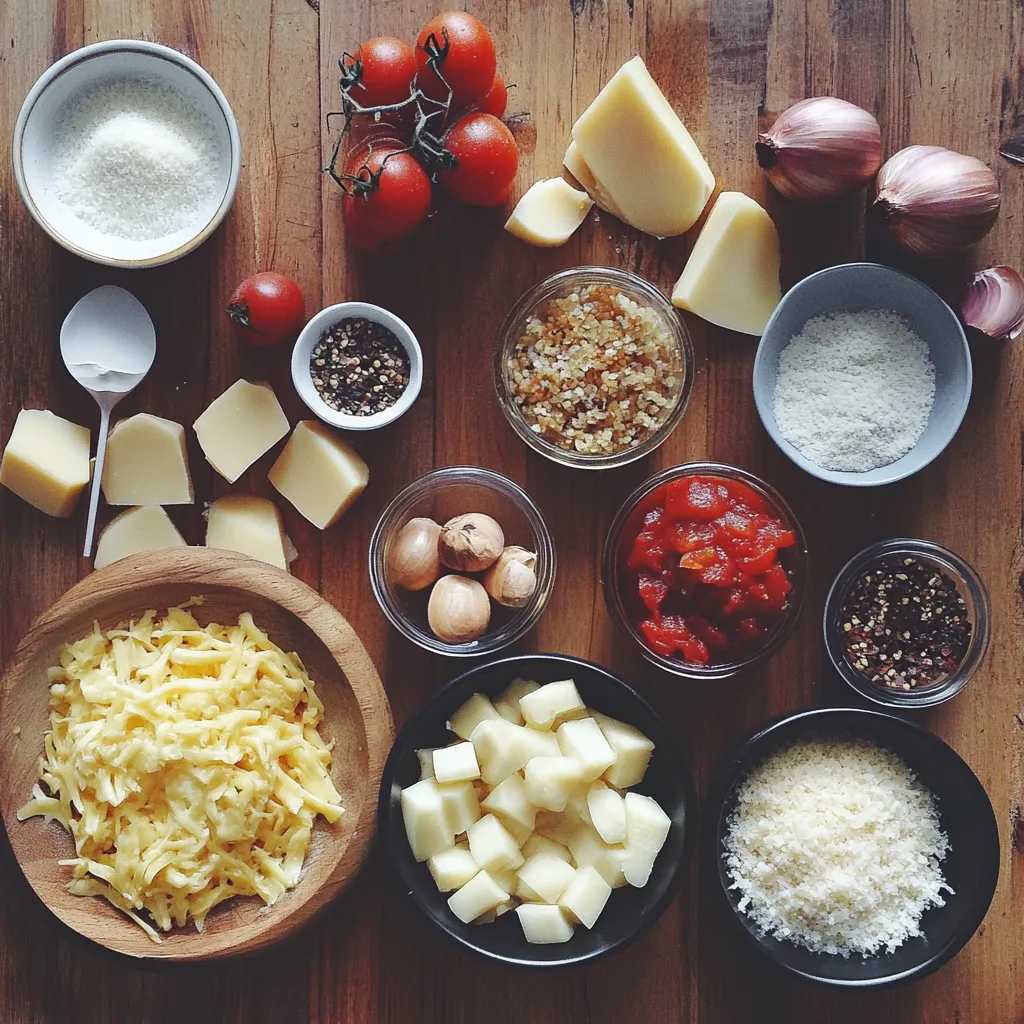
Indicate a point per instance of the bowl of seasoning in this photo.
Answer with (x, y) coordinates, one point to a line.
(907, 623)
(863, 375)
(593, 367)
(357, 366)
(127, 153)
(705, 568)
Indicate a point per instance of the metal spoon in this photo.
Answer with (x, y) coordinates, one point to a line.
(108, 343)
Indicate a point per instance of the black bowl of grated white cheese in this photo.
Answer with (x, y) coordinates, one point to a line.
(852, 847)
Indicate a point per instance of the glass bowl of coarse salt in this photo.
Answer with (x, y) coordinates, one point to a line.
(593, 367)
(863, 375)
(127, 153)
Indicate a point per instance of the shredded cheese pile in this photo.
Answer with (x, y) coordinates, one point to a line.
(186, 764)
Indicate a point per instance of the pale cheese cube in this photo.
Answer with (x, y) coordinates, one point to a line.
(491, 844)
(545, 877)
(574, 163)
(506, 877)
(426, 824)
(551, 780)
(538, 844)
(559, 827)
(544, 924)
(541, 707)
(479, 895)
(319, 472)
(647, 828)
(452, 869)
(470, 714)
(239, 426)
(461, 805)
(508, 802)
(147, 528)
(507, 703)
(589, 849)
(632, 751)
(607, 813)
(503, 748)
(549, 212)
(584, 741)
(146, 463)
(732, 276)
(46, 461)
(250, 525)
(578, 803)
(426, 759)
(585, 896)
(457, 763)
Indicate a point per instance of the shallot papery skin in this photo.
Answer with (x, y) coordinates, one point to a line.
(994, 303)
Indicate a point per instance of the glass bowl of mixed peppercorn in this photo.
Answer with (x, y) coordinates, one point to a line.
(906, 623)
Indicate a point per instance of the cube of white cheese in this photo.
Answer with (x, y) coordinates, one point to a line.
(732, 276)
(545, 877)
(647, 828)
(506, 877)
(541, 707)
(584, 741)
(550, 780)
(507, 703)
(503, 748)
(461, 805)
(457, 763)
(549, 212)
(491, 844)
(632, 751)
(46, 461)
(538, 844)
(588, 848)
(479, 895)
(640, 152)
(426, 759)
(245, 422)
(544, 924)
(146, 463)
(607, 813)
(585, 896)
(558, 826)
(147, 528)
(470, 714)
(250, 525)
(509, 802)
(426, 825)
(452, 869)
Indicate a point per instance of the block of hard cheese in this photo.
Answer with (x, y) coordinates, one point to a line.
(46, 461)
(145, 528)
(732, 276)
(146, 463)
(251, 525)
(641, 154)
(549, 212)
(239, 426)
(574, 163)
(319, 472)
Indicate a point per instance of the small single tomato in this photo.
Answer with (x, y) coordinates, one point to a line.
(267, 309)
(380, 72)
(486, 161)
(461, 50)
(495, 100)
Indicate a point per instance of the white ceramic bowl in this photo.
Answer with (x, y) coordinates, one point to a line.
(315, 330)
(37, 140)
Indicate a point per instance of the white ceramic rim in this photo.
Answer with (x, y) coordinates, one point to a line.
(311, 334)
(157, 51)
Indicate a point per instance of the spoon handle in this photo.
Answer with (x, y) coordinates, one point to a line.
(97, 477)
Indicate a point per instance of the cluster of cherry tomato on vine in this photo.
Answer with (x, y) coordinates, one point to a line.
(416, 117)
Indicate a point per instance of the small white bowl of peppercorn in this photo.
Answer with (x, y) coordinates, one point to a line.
(357, 366)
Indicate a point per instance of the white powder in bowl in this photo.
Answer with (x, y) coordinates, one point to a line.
(138, 161)
(854, 390)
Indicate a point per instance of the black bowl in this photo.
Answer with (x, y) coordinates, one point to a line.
(971, 866)
(629, 911)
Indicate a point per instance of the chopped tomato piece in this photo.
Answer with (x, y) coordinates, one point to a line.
(737, 524)
(713, 637)
(700, 497)
(748, 630)
(745, 495)
(688, 536)
(647, 551)
(702, 557)
(718, 574)
(652, 592)
(758, 559)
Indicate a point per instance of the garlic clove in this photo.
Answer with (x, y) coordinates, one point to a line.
(413, 560)
(471, 542)
(994, 303)
(459, 609)
(935, 202)
(512, 580)
(820, 149)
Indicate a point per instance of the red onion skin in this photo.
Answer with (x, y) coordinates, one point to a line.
(994, 303)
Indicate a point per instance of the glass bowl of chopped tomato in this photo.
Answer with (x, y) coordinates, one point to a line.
(705, 567)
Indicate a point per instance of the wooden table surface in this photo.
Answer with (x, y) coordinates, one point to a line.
(947, 72)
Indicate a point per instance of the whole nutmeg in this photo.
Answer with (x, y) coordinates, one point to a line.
(471, 543)
(413, 560)
(459, 609)
(512, 579)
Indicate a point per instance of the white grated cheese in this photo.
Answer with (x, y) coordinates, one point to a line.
(835, 846)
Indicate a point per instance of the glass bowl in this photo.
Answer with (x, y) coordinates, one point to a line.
(971, 589)
(793, 560)
(441, 495)
(564, 283)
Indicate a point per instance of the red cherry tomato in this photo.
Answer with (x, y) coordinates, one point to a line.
(267, 309)
(391, 202)
(380, 72)
(495, 100)
(486, 160)
(465, 58)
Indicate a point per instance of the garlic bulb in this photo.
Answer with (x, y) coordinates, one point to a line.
(820, 149)
(994, 303)
(512, 579)
(935, 202)
(413, 560)
(459, 609)
(471, 543)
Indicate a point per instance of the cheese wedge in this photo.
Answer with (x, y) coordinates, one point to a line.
(732, 276)
(574, 163)
(549, 212)
(241, 522)
(146, 463)
(146, 528)
(641, 154)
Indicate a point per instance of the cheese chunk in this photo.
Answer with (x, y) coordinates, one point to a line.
(588, 848)
(491, 844)
(146, 463)
(584, 741)
(471, 713)
(541, 707)
(585, 896)
(480, 894)
(640, 152)
(732, 276)
(238, 427)
(549, 212)
(241, 522)
(632, 751)
(510, 804)
(544, 924)
(574, 163)
(426, 825)
(146, 528)
(607, 813)
(544, 877)
(647, 828)
(452, 869)
(538, 844)
(507, 704)
(503, 748)
(319, 473)
(550, 780)
(461, 805)
(457, 763)
(46, 461)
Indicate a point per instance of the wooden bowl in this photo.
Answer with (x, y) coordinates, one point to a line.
(356, 716)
